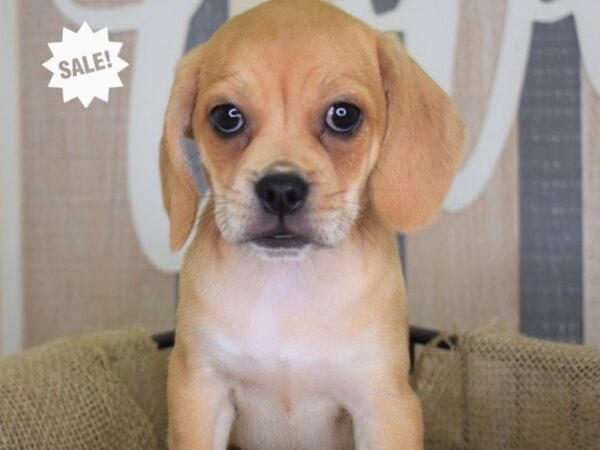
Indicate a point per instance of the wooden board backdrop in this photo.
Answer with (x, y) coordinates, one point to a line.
(463, 270)
(83, 269)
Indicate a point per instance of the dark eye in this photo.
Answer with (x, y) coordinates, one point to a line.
(343, 118)
(226, 119)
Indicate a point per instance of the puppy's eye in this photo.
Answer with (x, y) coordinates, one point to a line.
(343, 118)
(226, 119)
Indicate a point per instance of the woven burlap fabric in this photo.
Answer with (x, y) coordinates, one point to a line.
(103, 391)
(499, 390)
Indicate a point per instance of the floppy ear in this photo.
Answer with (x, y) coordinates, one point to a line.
(180, 194)
(423, 144)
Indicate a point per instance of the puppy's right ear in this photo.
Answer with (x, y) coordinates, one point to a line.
(180, 194)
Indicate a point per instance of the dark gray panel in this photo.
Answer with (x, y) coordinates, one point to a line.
(382, 6)
(551, 285)
(206, 20)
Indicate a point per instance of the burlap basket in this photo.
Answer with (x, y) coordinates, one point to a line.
(499, 390)
(493, 390)
(104, 391)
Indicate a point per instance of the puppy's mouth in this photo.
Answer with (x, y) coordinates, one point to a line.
(280, 238)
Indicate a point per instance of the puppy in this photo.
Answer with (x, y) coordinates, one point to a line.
(320, 138)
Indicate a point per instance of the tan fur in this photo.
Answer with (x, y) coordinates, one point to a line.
(423, 144)
(180, 196)
(310, 353)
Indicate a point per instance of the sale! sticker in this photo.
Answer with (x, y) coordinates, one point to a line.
(85, 64)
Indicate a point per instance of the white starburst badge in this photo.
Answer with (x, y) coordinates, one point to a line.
(85, 64)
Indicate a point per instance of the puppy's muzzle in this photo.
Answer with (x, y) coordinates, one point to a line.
(282, 194)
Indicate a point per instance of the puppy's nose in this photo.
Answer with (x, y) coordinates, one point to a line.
(282, 193)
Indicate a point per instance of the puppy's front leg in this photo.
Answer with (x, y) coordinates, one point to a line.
(390, 418)
(201, 412)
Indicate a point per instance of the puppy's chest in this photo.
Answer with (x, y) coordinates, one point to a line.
(282, 330)
(287, 383)
(270, 351)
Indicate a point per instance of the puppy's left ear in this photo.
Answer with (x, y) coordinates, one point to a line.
(180, 194)
(423, 144)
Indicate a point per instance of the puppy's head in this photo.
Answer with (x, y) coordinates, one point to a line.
(306, 119)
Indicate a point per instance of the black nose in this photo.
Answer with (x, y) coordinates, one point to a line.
(281, 193)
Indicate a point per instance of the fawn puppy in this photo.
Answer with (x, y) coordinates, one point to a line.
(320, 138)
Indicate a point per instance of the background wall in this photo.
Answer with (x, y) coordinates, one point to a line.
(527, 250)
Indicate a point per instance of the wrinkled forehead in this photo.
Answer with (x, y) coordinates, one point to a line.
(282, 50)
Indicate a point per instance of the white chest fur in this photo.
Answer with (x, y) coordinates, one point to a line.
(286, 358)
(284, 329)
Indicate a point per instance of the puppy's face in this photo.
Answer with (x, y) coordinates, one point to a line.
(289, 129)
(291, 105)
